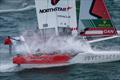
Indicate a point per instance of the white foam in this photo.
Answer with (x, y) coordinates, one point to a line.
(55, 43)
(8, 67)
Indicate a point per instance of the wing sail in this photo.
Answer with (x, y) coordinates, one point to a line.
(56, 14)
(95, 19)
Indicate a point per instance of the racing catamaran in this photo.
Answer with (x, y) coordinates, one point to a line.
(95, 25)
(59, 16)
(55, 17)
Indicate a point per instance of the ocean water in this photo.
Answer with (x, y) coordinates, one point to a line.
(17, 16)
(104, 71)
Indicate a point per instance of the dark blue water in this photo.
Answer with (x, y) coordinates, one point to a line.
(14, 23)
(104, 71)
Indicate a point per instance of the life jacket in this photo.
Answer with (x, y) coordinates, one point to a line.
(7, 41)
(19, 60)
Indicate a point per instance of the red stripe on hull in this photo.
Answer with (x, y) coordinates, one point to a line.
(103, 32)
(43, 59)
(99, 9)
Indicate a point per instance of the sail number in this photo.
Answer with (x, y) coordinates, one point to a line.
(108, 31)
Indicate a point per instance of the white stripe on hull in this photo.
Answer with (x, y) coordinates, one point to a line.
(94, 32)
(97, 57)
(29, 66)
(82, 58)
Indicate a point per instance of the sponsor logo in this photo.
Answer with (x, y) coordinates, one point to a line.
(105, 24)
(64, 16)
(54, 9)
(108, 31)
(54, 2)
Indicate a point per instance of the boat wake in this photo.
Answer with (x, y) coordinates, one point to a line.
(81, 58)
(8, 67)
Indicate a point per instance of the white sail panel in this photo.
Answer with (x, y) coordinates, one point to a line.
(85, 6)
(56, 13)
(73, 15)
(45, 19)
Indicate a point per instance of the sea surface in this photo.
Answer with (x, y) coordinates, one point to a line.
(17, 16)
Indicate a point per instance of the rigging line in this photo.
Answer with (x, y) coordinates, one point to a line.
(102, 39)
(45, 24)
(56, 27)
(68, 19)
(93, 23)
(68, 3)
(113, 26)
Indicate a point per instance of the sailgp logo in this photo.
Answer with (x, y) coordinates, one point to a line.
(54, 2)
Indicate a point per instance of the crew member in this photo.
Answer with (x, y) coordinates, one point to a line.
(8, 42)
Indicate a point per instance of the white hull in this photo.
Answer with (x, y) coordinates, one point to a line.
(82, 58)
(97, 57)
(29, 66)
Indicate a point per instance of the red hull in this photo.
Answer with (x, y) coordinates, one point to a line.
(41, 59)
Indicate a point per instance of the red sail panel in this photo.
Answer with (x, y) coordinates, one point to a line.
(99, 9)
